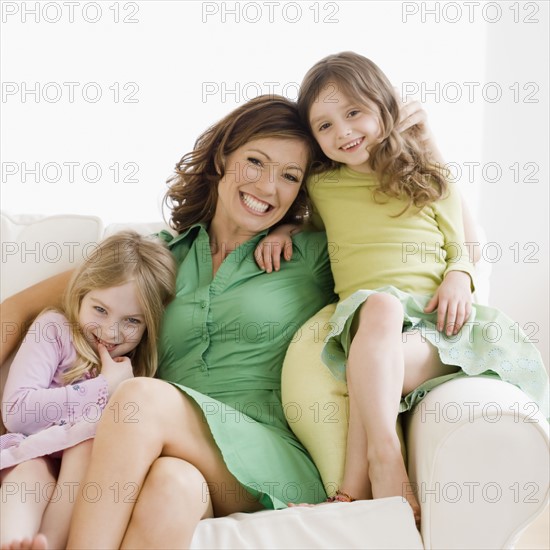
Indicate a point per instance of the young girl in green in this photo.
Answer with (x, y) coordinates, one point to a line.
(405, 320)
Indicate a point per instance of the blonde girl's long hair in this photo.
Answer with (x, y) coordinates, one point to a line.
(401, 161)
(193, 190)
(122, 257)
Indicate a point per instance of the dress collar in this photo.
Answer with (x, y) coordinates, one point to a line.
(196, 228)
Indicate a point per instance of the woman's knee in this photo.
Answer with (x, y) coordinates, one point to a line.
(140, 394)
(156, 409)
(185, 477)
(137, 403)
(173, 484)
(139, 388)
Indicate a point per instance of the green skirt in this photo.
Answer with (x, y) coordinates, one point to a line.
(258, 447)
(489, 343)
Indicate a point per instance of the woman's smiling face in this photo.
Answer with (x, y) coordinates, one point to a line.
(261, 181)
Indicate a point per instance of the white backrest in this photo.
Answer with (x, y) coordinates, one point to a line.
(36, 247)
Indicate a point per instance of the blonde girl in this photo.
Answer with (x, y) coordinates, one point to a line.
(405, 320)
(69, 364)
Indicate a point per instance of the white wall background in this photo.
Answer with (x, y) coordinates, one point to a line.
(166, 70)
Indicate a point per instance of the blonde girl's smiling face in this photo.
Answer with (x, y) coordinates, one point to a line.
(114, 317)
(344, 128)
(261, 181)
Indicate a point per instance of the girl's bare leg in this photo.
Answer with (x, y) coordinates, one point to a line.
(24, 495)
(383, 364)
(156, 419)
(422, 362)
(57, 517)
(356, 482)
(375, 371)
(38, 542)
(173, 500)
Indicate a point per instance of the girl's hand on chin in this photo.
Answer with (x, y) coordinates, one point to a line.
(115, 370)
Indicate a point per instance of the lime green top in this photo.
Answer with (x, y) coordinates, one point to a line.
(369, 248)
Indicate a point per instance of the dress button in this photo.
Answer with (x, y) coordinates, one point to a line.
(204, 303)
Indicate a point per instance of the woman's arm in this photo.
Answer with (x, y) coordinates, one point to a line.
(412, 113)
(470, 233)
(18, 311)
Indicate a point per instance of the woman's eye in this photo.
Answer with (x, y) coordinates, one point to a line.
(292, 178)
(133, 321)
(99, 309)
(255, 161)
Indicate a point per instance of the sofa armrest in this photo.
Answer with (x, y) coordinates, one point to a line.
(478, 457)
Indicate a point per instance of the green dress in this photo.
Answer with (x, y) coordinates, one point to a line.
(223, 343)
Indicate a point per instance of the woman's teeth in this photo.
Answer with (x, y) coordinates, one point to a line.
(254, 204)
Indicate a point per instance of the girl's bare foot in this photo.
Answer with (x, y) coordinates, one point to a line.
(389, 478)
(38, 542)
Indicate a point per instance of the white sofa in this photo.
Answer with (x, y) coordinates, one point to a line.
(476, 450)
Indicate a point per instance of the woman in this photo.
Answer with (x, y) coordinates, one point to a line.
(222, 346)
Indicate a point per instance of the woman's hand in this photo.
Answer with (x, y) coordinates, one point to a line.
(411, 114)
(453, 301)
(115, 370)
(269, 249)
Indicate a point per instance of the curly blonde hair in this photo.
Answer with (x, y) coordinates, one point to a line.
(401, 161)
(122, 257)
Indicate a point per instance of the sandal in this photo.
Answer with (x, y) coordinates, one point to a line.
(340, 496)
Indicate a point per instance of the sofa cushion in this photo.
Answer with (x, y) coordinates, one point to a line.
(38, 247)
(369, 524)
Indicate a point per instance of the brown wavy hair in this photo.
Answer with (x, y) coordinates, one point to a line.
(193, 189)
(122, 257)
(401, 161)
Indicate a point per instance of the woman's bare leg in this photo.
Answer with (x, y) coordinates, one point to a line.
(173, 500)
(57, 517)
(156, 419)
(24, 495)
